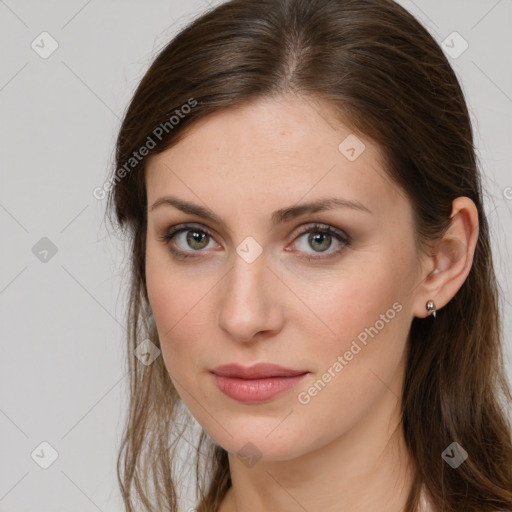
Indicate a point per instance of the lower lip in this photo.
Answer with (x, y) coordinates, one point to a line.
(253, 391)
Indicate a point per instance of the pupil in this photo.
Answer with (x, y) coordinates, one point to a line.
(318, 237)
(195, 237)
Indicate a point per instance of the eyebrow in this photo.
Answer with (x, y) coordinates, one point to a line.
(278, 217)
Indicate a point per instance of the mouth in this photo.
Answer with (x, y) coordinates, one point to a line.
(258, 383)
(257, 371)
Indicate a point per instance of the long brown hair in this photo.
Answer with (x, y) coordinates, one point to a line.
(387, 78)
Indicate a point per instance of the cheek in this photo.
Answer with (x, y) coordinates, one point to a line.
(354, 372)
(355, 299)
(368, 321)
(178, 299)
(167, 295)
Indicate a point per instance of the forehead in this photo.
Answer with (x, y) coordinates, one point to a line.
(285, 148)
(274, 127)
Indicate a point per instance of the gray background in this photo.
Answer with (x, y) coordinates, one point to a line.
(61, 370)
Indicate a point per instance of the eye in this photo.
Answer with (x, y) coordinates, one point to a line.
(188, 238)
(321, 237)
(191, 239)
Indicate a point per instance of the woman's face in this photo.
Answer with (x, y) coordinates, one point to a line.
(328, 292)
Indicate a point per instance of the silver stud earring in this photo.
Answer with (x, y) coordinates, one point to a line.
(431, 308)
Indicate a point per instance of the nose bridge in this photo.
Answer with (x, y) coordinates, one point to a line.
(249, 269)
(248, 303)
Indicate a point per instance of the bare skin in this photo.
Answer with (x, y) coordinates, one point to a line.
(341, 447)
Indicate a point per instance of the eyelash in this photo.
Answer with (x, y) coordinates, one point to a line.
(315, 228)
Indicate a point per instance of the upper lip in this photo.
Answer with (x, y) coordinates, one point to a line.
(258, 371)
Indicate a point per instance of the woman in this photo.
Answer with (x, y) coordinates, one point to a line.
(311, 256)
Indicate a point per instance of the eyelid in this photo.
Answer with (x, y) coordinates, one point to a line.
(320, 226)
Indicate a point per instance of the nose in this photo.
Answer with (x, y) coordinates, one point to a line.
(250, 305)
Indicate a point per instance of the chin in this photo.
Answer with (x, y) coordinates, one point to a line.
(259, 439)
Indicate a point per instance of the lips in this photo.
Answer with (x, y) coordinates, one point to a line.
(258, 371)
(256, 384)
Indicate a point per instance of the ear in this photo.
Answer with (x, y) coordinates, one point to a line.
(448, 266)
